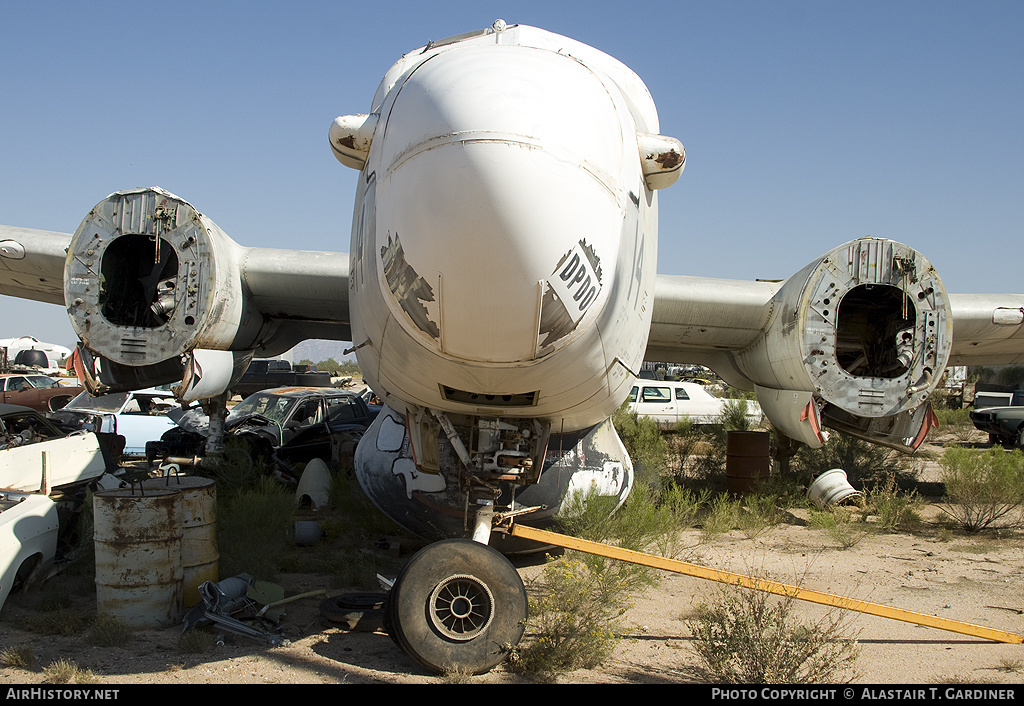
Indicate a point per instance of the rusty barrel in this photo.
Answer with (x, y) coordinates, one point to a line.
(137, 538)
(747, 460)
(197, 514)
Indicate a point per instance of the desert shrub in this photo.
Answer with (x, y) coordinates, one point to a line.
(109, 631)
(65, 671)
(745, 636)
(839, 524)
(734, 416)
(892, 508)
(20, 656)
(196, 641)
(577, 610)
(58, 620)
(236, 470)
(983, 488)
(577, 606)
(721, 516)
(697, 454)
(254, 528)
(641, 522)
(758, 513)
(956, 422)
(685, 504)
(644, 444)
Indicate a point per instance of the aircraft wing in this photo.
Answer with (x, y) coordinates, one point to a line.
(712, 321)
(987, 329)
(32, 264)
(703, 321)
(291, 295)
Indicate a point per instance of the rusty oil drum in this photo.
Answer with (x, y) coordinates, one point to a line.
(197, 513)
(137, 539)
(747, 460)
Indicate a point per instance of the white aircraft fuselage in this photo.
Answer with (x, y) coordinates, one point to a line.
(504, 240)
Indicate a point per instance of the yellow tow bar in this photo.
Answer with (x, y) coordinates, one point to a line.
(781, 589)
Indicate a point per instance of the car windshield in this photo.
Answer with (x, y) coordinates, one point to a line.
(30, 427)
(273, 407)
(103, 403)
(42, 381)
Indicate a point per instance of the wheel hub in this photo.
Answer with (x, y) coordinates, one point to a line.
(461, 607)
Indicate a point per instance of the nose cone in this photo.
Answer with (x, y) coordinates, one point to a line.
(500, 200)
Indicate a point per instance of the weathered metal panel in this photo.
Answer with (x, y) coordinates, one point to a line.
(197, 515)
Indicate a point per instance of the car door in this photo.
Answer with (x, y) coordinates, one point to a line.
(699, 407)
(655, 401)
(305, 432)
(20, 391)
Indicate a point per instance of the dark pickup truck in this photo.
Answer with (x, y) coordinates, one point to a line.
(1001, 416)
(268, 374)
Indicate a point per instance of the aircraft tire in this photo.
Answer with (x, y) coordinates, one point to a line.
(458, 605)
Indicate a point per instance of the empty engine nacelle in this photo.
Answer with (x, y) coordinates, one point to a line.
(149, 280)
(856, 341)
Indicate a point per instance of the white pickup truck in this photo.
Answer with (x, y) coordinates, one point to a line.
(669, 403)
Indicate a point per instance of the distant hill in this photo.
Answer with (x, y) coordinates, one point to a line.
(318, 349)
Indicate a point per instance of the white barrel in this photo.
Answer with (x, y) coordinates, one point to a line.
(198, 517)
(137, 539)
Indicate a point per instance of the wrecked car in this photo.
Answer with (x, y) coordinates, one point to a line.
(139, 416)
(43, 475)
(40, 392)
(283, 427)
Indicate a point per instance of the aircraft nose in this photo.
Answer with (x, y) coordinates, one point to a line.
(501, 203)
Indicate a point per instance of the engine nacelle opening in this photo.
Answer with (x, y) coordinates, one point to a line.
(875, 332)
(139, 277)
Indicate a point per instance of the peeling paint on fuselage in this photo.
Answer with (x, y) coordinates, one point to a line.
(408, 288)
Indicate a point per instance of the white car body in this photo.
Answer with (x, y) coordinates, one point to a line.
(28, 528)
(29, 470)
(55, 462)
(138, 416)
(669, 403)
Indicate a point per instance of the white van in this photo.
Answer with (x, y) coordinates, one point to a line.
(669, 403)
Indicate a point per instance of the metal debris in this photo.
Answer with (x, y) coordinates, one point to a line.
(228, 605)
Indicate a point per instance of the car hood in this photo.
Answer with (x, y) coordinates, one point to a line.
(194, 420)
(197, 421)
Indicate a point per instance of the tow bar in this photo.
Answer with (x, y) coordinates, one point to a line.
(781, 589)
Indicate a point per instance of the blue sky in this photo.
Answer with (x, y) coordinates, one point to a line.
(806, 124)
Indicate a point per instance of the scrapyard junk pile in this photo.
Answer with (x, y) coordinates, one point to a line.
(157, 563)
(44, 476)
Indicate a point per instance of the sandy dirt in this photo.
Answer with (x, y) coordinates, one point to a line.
(975, 579)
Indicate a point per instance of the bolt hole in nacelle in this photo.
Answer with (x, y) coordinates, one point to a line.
(854, 344)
